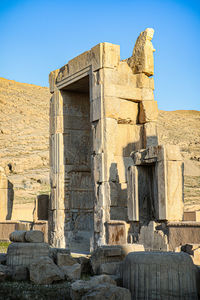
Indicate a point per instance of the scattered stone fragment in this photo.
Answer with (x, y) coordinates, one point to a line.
(44, 271)
(34, 236)
(81, 287)
(85, 264)
(53, 252)
(18, 236)
(194, 251)
(107, 291)
(65, 260)
(72, 272)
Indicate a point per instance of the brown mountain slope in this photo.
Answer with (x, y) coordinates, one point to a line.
(24, 131)
(182, 128)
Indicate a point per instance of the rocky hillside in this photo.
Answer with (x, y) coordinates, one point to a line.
(182, 128)
(24, 129)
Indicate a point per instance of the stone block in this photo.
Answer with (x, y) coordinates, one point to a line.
(81, 199)
(107, 291)
(174, 191)
(79, 62)
(143, 81)
(112, 268)
(127, 92)
(53, 253)
(127, 139)
(52, 80)
(34, 236)
(169, 152)
(118, 213)
(148, 112)
(18, 236)
(96, 110)
(44, 271)
(23, 254)
(124, 111)
(72, 272)
(97, 145)
(116, 232)
(111, 55)
(147, 94)
(162, 272)
(150, 134)
(81, 287)
(65, 260)
(132, 201)
(122, 164)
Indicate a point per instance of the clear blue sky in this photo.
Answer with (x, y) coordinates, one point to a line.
(38, 36)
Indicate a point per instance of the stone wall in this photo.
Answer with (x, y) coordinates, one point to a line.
(102, 109)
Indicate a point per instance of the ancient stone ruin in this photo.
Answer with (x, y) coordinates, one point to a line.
(111, 181)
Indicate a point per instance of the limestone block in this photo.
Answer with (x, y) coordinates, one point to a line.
(122, 75)
(52, 80)
(161, 274)
(151, 83)
(153, 239)
(53, 252)
(97, 129)
(23, 254)
(111, 253)
(107, 291)
(147, 94)
(127, 92)
(76, 147)
(81, 287)
(96, 57)
(111, 55)
(169, 152)
(133, 203)
(112, 268)
(44, 271)
(81, 199)
(18, 236)
(118, 213)
(96, 111)
(72, 272)
(34, 236)
(65, 260)
(148, 111)
(128, 138)
(98, 167)
(110, 127)
(124, 111)
(150, 134)
(143, 81)
(73, 104)
(175, 190)
(162, 190)
(79, 62)
(142, 57)
(122, 164)
(116, 232)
